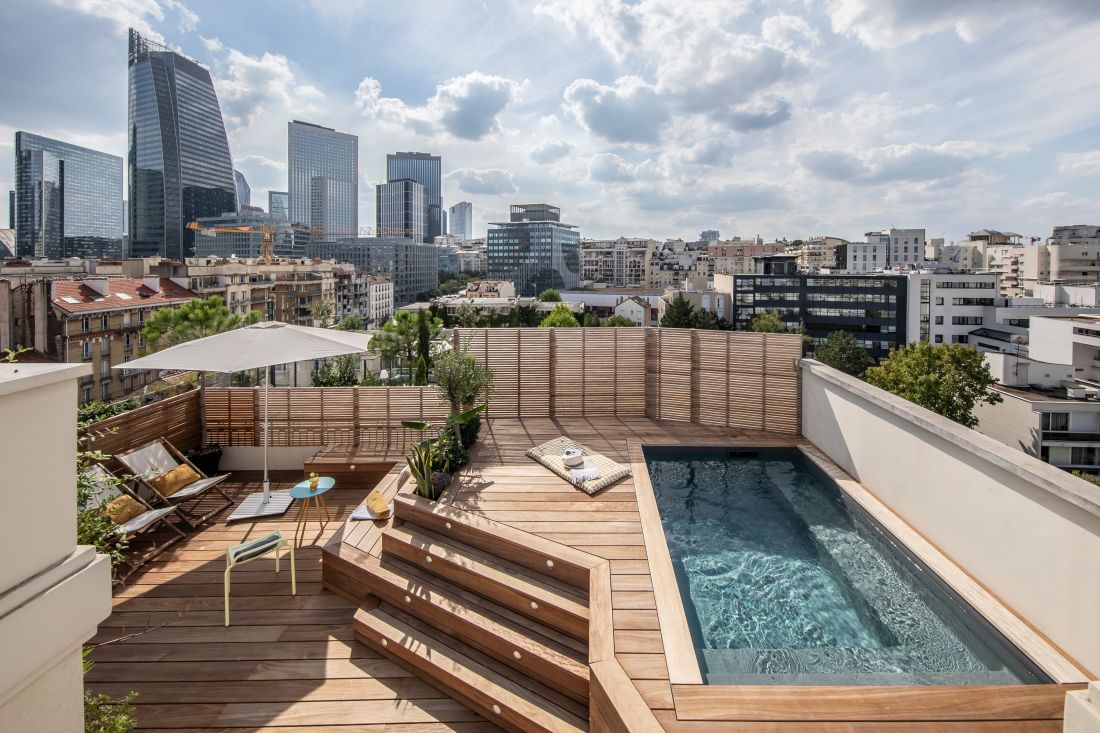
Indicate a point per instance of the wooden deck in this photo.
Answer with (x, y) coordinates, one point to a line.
(293, 664)
(286, 664)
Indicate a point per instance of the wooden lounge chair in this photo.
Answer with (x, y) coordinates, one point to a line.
(174, 480)
(132, 517)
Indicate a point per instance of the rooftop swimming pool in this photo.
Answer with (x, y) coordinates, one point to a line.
(786, 580)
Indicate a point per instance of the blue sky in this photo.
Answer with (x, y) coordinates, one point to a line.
(650, 118)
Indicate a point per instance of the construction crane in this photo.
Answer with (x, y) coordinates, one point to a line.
(267, 243)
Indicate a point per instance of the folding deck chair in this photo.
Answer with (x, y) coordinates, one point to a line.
(174, 480)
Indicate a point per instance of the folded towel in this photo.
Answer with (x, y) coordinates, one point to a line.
(377, 503)
(584, 474)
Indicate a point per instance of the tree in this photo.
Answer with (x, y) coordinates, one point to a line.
(460, 379)
(341, 371)
(561, 317)
(428, 330)
(707, 320)
(397, 338)
(591, 320)
(949, 379)
(524, 315)
(350, 323)
(322, 313)
(194, 319)
(467, 315)
(842, 351)
(550, 295)
(421, 378)
(768, 322)
(679, 314)
(618, 322)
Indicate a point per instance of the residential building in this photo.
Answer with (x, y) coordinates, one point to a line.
(618, 263)
(470, 262)
(1085, 234)
(945, 308)
(887, 249)
(534, 249)
(178, 164)
(734, 256)
(820, 252)
(302, 294)
(244, 192)
(635, 309)
(213, 239)
(427, 170)
(401, 210)
(379, 299)
(98, 321)
(323, 180)
(872, 307)
(709, 235)
(601, 302)
(669, 263)
(53, 592)
(702, 296)
(489, 289)
(447, 259)
(460, 220)
(411, 266)
(68, 200)
(278, 204)
(243, 284)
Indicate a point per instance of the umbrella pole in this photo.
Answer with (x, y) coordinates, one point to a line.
(267, 436)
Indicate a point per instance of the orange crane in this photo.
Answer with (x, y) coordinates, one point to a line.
(267, 244)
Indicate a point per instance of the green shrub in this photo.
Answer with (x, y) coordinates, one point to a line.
(96, 411)
(105, 714)
(469, 431)
(450, 454)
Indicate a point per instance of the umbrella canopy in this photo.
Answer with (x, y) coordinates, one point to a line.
(259, 345)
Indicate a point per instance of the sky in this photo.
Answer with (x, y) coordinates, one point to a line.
(653, 118)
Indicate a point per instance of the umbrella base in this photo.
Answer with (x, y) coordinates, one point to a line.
(253, 506)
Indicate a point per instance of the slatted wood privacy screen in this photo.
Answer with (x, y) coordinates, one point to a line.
(176, 418)
(561, 371)
(317, 415)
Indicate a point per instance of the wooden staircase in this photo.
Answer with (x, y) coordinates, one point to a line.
(493, 616)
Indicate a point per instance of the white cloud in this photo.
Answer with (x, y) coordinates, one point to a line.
(466, 107)
(884, 24)
(612, 168)
(1056, 199)
(1085, 163)
(491, 181)
(213, 45)
(255, 86)
(630, 111)
(550, 150)
(892, 163)
(139, 14)
(789, 32)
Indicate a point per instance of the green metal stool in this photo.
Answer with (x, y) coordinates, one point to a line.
(249, 551)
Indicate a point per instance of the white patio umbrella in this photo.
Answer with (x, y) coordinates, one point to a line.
(257, 346)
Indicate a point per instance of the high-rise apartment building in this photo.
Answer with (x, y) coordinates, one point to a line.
(535, 250)
(323, 180)
(68, 200)
(461, 220)
(178, 165)
(278, 204)
(401, 209)
(427, 170)
(244, 191)
(888, 249)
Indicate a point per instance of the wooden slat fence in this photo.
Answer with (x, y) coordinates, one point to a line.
(175, 418)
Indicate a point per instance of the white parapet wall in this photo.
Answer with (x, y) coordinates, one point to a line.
(53, 592)
(1027, 531)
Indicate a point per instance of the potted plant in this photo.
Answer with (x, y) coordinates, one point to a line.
(422, 469)
(207, 458)
(461, 382)
(433, 461)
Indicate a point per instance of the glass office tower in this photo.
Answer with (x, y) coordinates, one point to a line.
(323, 180)
(427, 170)
(278, 204)
(68, 200)
(461, 220)
(244, 191)
(534, 250)
(400, 210)
(178, 164)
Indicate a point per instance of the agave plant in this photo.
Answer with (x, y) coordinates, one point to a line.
(421, 457)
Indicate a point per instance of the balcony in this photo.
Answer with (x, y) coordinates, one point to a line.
(1066, 436)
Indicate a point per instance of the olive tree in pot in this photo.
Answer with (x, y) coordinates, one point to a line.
(462, 382)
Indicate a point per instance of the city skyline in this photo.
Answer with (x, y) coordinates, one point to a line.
(768, 119)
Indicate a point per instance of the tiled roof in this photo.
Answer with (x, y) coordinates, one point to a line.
(34, 357)
(76, 296)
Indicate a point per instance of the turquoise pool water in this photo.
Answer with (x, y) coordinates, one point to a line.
(787, 581)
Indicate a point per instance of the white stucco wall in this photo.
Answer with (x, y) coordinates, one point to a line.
(1027, 531)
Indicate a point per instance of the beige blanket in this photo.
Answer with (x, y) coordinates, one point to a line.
(607, 470)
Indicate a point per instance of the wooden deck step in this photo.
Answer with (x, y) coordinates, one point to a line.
(499, 638)
(489, 691)
(505, 583)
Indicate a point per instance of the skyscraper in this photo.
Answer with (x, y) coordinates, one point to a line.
(400, 209)
(462, 220)
(178, 164)
(68, 199)
(427, 170)
(244, 191)
(278, 204)
(534, 250)
(324, 180)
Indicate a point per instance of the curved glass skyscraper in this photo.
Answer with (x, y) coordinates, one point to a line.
(178, 164)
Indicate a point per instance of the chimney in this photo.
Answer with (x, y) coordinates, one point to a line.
(152, 282)
(99, 284)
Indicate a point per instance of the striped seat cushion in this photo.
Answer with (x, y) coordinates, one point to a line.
(255, 548)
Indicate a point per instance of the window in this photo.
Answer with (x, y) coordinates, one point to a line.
(105, 391)
(105, 347)
(1083, 456)
(939, 320)
(960, 339)
(939, 301)
(939, 338)
(966, 320)
(103, 322)
(85, 325)
(85, 349)
(1055, 421)
(86, 394)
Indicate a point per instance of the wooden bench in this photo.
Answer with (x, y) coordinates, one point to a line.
(363, 462)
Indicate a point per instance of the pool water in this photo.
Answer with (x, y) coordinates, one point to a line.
(785, 580)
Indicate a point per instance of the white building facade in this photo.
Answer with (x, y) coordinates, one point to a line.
(888, 249)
